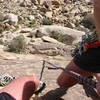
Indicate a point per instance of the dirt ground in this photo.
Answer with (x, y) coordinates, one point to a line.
(17, 65)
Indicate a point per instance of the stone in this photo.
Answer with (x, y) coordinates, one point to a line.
(26, 3)
(10, 17)
(1, 1)
(2, 47)
(57, 2)
(31, 17)
(70, 25)
(89, 1)
(50, 49)
(42, 9)
(26, 30)
(6, 38)
(49, 14)
(50, 40)
(36, 40)
(35, 1)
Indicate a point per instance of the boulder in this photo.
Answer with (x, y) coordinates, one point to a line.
(49, 14)
(89, 1)
(35, 1)
(26, 3)
(51, 49)
(10, 17)
(2, 47)
(1, 1)
(51, 40)
(63, 31)
(25, 30)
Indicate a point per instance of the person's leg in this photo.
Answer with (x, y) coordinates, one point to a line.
(66, 80)
(21, 88)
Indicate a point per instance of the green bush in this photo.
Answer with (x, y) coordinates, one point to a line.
(87, 23)
(47, 21)
(18, 44)
(1, 29)
(66, 39)
(32, 23)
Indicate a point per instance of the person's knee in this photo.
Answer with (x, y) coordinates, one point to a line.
(65, 80)
(60, 82)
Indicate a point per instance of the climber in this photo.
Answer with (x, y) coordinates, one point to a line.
(87, 63)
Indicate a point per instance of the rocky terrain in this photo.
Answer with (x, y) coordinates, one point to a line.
(34, 23)
(32, 30)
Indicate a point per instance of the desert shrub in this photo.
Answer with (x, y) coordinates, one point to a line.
(66, 39)
(87, 23)
(1, 29)
(16, 28)
(18, 44)
(21, 20)
(32, 23)
(47, 21)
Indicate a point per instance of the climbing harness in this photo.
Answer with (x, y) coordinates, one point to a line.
(88, 42)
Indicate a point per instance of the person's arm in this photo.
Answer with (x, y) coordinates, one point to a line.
(97, 16)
